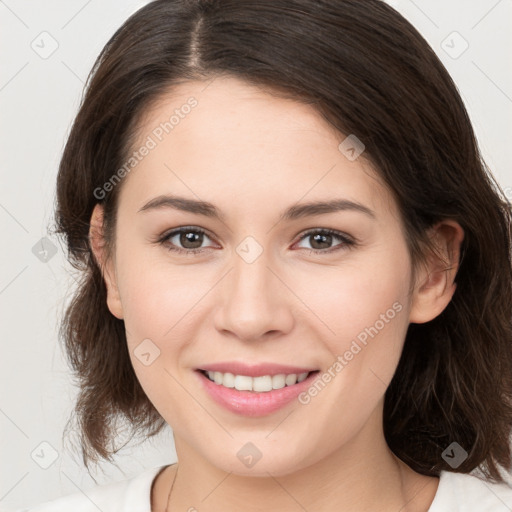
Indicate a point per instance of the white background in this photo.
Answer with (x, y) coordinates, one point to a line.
(38, 100)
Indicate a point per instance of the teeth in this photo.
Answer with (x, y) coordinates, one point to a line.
(256, 384)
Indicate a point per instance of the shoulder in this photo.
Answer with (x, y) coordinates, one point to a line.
(133, 494)
(470, 493)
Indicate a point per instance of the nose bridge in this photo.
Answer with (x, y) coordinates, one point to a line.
(253, 303)
(251, 279)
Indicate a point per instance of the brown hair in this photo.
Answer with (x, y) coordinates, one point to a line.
(368, 72)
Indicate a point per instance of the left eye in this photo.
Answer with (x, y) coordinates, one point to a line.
(323, 237)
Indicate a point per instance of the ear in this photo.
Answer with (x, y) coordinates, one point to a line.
(435, 286)
(106, 265)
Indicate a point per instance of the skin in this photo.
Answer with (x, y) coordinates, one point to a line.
(252, 155)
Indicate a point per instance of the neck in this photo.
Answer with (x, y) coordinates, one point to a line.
(355, 478)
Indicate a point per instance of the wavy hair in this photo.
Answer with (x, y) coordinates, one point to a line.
(368, 72)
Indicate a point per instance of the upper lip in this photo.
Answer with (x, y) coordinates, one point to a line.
(256, 370)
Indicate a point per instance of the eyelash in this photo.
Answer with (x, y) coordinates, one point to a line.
(347, 242)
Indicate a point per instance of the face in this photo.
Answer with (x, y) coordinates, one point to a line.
(317, 291)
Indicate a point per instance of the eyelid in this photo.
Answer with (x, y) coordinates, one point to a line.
(347, 241)
(166, 236)
(334, 232)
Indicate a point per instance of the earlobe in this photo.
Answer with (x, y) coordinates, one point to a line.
(98, 247)
(435, 284)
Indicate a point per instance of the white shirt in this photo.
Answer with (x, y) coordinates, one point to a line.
(456, 492)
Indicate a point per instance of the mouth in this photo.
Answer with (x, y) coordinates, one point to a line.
(254, 396)
(259, 384)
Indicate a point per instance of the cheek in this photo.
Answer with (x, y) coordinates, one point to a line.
(155, 294)
(366, 308)
(161, 307)
(353, 295)
(363, 311)
(159, 317)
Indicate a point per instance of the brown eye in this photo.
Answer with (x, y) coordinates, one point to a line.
(190, 239)
(185, 239)
(321, 240)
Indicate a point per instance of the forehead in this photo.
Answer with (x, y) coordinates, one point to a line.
(230, 139)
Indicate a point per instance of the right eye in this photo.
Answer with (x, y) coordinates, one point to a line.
(189, 237)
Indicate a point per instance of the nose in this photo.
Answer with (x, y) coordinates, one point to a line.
(255, 302)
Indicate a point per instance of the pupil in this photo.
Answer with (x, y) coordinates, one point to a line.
(326, 239)
(194, 238)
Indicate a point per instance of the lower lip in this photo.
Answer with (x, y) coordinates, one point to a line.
(249, 403)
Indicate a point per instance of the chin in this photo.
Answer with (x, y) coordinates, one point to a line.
(275, 464)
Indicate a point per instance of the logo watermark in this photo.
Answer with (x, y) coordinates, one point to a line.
(343, 360)
(151, 142)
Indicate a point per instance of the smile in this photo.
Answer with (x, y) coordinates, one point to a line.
(261, 384)
(254, 396)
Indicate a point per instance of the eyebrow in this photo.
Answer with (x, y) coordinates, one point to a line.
(296, 211)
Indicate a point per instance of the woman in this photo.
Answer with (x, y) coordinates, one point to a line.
(293, 255)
